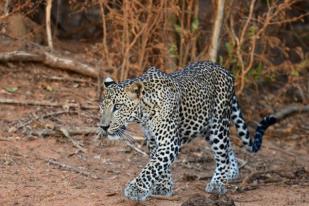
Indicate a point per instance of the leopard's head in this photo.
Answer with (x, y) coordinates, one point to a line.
(120, 106)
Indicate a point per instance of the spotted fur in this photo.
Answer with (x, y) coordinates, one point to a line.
(173, 109)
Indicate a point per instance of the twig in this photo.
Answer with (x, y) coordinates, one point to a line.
(245, 201)
(243, 163)
(66, 133)
(71, 131)
(169, 198)
(41, 117)
(45, 103)
(105, 46)
(4, 139)
(240, 44)
(248, 178)
(290, 110)
(71, 168)
(66, 79)
(135, 148)
(255, 174)
(74, 131)
(128, 47)
(297, 18)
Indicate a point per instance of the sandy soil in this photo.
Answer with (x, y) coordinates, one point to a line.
(278, 175)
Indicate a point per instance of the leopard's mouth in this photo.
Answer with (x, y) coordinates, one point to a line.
(116, 134)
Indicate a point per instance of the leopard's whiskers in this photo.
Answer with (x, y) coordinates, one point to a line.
(129, 138)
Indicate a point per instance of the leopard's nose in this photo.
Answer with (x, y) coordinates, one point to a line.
(104, 127)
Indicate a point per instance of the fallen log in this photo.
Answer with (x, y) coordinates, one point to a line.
(290, 110)
(46, 103)
(52, 60)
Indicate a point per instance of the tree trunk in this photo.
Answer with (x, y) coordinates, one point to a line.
(213, 50)
(48, 24)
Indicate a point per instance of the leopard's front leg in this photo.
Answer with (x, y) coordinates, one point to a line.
(155, 178)
(165, 186)
(151, 144)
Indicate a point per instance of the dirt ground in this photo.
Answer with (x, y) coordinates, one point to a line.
(277, 175)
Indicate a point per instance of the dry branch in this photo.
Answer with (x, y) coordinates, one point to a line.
(45, 103)
(168, 198)
(50, 59)
(66, 133)
(41, 117)
(290, 110)
(69, 131)
(136, 149)
(270, 176)
(71, 168)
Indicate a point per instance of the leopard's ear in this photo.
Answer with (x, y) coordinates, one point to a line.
(135, 90)
(108, 81)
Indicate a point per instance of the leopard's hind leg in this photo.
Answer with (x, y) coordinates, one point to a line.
(219, 140)
(233, 167)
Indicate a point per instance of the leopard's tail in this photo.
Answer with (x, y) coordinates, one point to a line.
(252, 144)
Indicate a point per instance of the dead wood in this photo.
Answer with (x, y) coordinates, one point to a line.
(244, 163)
(269, 173)
(51, 59)
(46, 103)
(290, 110)
(169, 198)
(67, 79)
(68, 131)
(138, 150)
(71, 168)
(213, 199)
(251, 176)
(36, 117)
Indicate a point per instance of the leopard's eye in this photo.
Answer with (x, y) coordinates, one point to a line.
(116, 107)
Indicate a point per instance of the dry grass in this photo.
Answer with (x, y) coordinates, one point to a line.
(257, 38)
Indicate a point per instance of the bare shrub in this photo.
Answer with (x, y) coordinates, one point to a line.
(255, 38)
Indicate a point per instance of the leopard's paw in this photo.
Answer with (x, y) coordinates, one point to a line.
(233, 175)
(133, 191)
(165, 190)
(216, 187)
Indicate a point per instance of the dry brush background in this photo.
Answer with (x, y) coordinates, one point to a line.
(48, 116)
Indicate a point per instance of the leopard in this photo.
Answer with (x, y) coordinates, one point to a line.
(172, 109)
